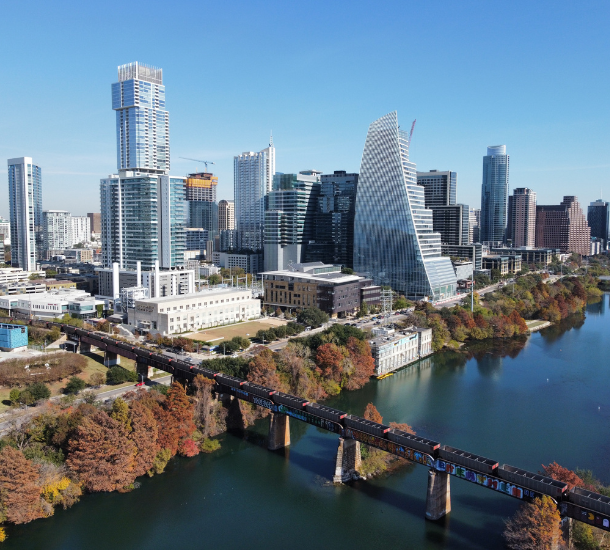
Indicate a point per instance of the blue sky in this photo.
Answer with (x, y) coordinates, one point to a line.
(531, 75)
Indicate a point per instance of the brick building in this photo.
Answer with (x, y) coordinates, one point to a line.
(563, 226)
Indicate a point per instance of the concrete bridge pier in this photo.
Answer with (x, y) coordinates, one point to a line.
(84, 347)
(279, 431)
(438, 498)
(111, 359)
(349, 460)
(144, 369)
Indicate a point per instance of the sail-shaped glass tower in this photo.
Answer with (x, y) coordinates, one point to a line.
(393, 238)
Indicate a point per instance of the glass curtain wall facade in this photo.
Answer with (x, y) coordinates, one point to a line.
(394, 241)
(598, 216)
(494, 194)
(25, 205)
(142, 122)
(441, 187)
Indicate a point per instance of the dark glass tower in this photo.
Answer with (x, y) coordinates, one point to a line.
(494, 194)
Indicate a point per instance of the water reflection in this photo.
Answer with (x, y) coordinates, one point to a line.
(557, 330)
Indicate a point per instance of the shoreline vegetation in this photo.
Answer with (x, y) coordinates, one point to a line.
(68, 450)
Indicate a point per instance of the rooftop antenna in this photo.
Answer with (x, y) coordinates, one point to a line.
(271, 139)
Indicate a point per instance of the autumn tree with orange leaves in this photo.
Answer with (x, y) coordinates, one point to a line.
(144, 435)
(535, 526)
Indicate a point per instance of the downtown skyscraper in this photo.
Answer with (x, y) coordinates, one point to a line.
(394, 242)
(521, 228)
(25, 204)
(253, 181)
(143, 208)
(494, 195)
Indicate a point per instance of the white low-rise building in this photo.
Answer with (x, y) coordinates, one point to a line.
(199, 310)
(11, 275)
(54, 303)
(393, 350)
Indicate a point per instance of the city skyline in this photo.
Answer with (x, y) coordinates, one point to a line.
(555, 132)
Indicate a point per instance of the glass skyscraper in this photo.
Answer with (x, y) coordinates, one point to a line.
(394, 242)
(598, 216)
(253, 180)
(143, 208)
(142, 123)
(25, 204)
(494, 195)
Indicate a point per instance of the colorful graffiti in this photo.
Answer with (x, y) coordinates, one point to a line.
(311, 419)
(389, 446)
(485, 480)
(582, 514)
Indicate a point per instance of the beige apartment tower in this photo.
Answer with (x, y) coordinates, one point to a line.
(226, 215)
(521, 229)
(563, 226)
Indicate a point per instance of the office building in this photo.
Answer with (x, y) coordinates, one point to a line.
(563, 226)
(469, 252)
(56, 230)
(201, 199)
(521, 228)
(504, 264)
(142, 122)
(253, 180)
(318, 285)
(289, 218)
(393, 350)
(440, 187)
(228, 240)
(5, 231)
(598, 217)
(25, 205)
(474, 225)
(196, 239)
(250, 262)
(95, 222)
(13, 337)
(54, 303)
(394, 242)
(226, 215)
(143, 208)
(333, 228)
(452, 222)
(209, 308)
(494, 194)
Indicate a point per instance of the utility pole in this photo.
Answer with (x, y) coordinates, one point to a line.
(472, 291)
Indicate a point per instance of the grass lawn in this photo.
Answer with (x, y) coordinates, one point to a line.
(218, 334)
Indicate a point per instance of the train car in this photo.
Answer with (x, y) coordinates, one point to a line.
(68, 329)
(325, 412)
(280, 398)
(592, 501)
(530, 480)
(468, 460)
(257, 389)
(227, 380)
(207, 373)
(414, 442)
(366, 426)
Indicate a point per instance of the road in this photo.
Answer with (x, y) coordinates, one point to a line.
(17, 417)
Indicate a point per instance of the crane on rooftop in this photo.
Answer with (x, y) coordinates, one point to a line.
(411, 132)
(206, 162)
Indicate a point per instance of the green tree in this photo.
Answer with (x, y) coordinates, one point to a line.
(213, 280)
(39, 390)
(347, 271)
(312, 317)
(14, 396)
(400, 303)
(118, 375)
(75, 385)
(26, 398)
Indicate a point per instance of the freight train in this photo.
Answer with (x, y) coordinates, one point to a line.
(481, 465)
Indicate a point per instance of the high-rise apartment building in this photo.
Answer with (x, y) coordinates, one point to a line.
(25, 204)
(57, 230)
(289, 218)
(253, 180)
(440, 187)
(5, 232)
(452, 222)
(226, 215)
(95, 222)
(563, 226)
(333, 228)
(494, 194)
(201, 198)
(598, 216)
(81, 229)
(474, 225)
(521, 228)
(142, 123)
(394, 242)
(144, 209)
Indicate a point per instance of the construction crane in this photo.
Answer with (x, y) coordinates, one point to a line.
(411, 132)
(206, 162)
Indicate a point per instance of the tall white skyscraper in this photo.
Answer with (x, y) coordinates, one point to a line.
(25, 203)
(81, 229)
(143, 208)
(57, 230)
(253, 180)
(142, 123)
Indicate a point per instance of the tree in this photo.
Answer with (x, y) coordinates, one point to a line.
(120, 413)
(312, 317)
(144, 435)
(371, 413)
(215, 279)
(39, 390)
(75, 385)
(14, 396)
(560, 473)
(19, 492)
(364, 364)
(119, 375)
(97, 379)
(535, 526)
(180, 410)
(263, 370)
(204, 405)
(329, 359)
(400, 303)
(101, 454)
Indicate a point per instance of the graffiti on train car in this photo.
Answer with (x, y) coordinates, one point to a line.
(311, 419)
(484, 480)
(389, 446)
(587, 516)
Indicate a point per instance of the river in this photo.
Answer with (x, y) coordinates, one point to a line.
(529, 403)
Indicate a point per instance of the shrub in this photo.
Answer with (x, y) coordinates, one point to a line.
(118, 375)
(39, 391)
(209, 445)
(74, 385)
